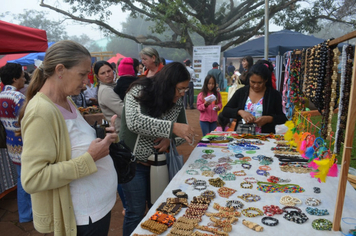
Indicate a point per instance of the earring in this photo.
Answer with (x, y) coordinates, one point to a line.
(60, 77)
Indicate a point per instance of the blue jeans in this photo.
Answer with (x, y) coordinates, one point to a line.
(207, 127)
(24, 204)
(137, 192)
(122, 195)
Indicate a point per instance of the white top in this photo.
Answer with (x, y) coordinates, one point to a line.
(91, 92)
(94, 195)
(192, 73)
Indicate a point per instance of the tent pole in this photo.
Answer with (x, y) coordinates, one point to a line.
(266, 29)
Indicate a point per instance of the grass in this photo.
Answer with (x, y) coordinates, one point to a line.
(317, 121)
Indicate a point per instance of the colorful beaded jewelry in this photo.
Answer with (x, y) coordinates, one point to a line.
(251, 152)
(296, 216)
(228, 176)
(248, 214)
(190, 181)
(208, 156)
(268, 187)
(246, 159)
(224, 159)
(208, 194)
(248, 197)
(217, 182)
(251, 180)
(246, 166)
(239, 155)
(322, 224)
(219, 170)
(316, 211)
(316, 190)
(265, 168)
(203, 168)
(267, 221)
(226, 192)
(272, 210)
(235, 204)
(262, 172)
(202, 161)
(212, 163)
(192, 172)
(208, 173)
(291, 207)
(239, 173)
(208, 151)
(246, 185)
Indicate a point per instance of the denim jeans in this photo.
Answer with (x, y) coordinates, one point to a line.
(207, 127)
(137, 192)
(24, 204)
(190, 93)
(122, 195)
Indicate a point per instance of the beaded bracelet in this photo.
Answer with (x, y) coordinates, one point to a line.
(239, 155)
(235, 204)
(239, 173)
(243, 185)
(272, 210)
(228, 176)
(208, 173)
(291, 207)
(208, 156)
(248, 197)
(226, 192)
(202, 161)
(208, 194)
(219, 170)
(212, 163)
(322, 224)
(247, 214)
(296, 217)
(316, 211)
(204, 168)
(251, 180)
(217, 182)
(246, 166)
(262, 172)
(224, 159)
(200, 187)
(207, 151)
(268, 187)
(192, 172)
(312, 201)
(289, 200)
(316, 190)
(190, 181)
(265, 168)
(268, 218)
(246, 159)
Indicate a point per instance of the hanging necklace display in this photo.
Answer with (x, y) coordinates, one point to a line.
(345, 88)
(285, 99)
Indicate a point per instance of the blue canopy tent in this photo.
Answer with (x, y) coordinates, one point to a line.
(279, 43)
(30, 58)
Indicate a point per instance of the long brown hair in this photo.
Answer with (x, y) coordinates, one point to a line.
(205, 89)
(67, 53)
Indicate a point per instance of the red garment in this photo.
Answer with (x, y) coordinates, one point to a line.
(160, 66)
(273, 81)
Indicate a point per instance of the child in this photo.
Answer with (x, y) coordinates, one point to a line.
(208, 110)
(223, 123)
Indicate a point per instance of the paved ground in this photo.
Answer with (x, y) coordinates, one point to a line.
(9, 225)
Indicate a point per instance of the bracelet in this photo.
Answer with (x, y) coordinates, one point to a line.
(247, 214)
(190, 181)
(272, 210)
(237, 204)
(252, 225)
(246, 166)
(200, 187)
(208, 173)
(192, 172)
(208, 156)
(265, 168)
(219, 170)
(239, 155)
(239, 173)
(216, 182)
(246, 158)
(207, 151)
(316, 190)
(262, 172)
(291, 207)
(289, 200)
(312, 201)
(212, 163)
(296, 217)
(201, 161)
(228, 176)
(268, 218)
(249, 185)
(322, 224)
(226, 192)
(251, 180)
(208, 194)
(316, 211)
(247, 197)
(204, 168)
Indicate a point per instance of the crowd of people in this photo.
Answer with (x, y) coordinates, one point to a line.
(62, 171)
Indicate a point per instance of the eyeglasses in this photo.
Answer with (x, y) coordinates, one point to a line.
(182, 90)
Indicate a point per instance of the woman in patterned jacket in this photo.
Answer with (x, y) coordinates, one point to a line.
(153, 113)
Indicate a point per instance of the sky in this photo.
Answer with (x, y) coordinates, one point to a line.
(73, 27)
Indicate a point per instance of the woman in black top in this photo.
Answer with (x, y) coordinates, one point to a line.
(259, 90)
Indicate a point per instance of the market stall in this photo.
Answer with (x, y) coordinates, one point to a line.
(247, 167)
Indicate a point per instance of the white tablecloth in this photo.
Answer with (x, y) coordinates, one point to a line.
(285, 227)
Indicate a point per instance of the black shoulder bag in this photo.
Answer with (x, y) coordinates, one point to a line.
(122, 156)
(2, 136)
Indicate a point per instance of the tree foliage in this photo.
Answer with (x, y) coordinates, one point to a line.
(225, 22)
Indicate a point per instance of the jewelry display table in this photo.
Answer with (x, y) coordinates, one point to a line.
(327, 195)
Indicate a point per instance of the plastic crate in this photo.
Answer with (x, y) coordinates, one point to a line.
(223, 100)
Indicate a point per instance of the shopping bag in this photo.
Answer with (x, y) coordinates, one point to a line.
(237, 85)
(174, 160)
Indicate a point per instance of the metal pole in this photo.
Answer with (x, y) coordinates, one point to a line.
(266, 29)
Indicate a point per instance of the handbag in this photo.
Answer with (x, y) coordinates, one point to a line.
(174, 160)
(123, 158)
(246, 128)
(2, 136)
(237, 85)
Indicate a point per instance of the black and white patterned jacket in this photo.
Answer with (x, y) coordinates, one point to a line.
(139, 130)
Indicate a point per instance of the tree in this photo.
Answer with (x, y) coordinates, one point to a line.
(37, 19)
(222, 22)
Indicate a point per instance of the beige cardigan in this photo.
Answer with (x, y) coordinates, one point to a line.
(47, 167)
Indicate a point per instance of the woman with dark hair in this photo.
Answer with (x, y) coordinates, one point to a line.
(257, 102)
(109, 102)
(269, 65)
(11, 101)
(153, 114)
(247, 63)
